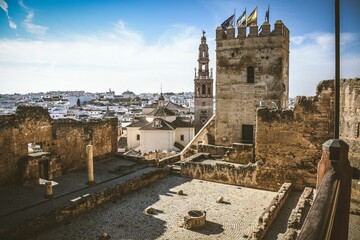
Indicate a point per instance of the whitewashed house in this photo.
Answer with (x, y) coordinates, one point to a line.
(161, 129)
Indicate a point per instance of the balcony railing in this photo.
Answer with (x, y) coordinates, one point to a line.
(328, 217)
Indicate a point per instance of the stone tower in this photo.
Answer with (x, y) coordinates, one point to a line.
(203, 87)
(252, 71)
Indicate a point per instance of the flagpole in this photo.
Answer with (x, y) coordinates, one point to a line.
(234, 16)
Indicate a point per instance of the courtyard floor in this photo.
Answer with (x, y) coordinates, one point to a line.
(125, 219)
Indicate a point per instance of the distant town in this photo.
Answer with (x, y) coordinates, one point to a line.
(83, 105)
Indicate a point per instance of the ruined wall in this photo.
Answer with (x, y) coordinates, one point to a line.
(66, 138)
(237, 153)
(236, 99)
(70, 138)
(350, 118)
(289, 142)
(27, 125)
(242, 175)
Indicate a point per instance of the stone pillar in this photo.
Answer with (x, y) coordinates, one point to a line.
(90, 163)
(48, 190)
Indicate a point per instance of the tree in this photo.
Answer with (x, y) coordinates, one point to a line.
(78, 102)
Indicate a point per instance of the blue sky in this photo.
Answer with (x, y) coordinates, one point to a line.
(94, 45)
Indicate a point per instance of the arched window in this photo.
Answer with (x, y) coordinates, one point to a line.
(209, 90)
(250, 75)
(203, 89)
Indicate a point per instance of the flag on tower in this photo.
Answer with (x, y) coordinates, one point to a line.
(242, 20)
(267, 14)
(228, 22)
(252, 18)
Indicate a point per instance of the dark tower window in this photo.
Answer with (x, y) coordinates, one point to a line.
(250, 75)
(203, 89)
(209, 90)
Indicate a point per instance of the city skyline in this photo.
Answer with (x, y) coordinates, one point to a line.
(141, 45)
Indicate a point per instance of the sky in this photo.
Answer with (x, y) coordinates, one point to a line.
(143, 45)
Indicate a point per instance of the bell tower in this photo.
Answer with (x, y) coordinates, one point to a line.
(203, 87)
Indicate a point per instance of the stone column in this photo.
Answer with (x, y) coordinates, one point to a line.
(90, 163)
(48, 190)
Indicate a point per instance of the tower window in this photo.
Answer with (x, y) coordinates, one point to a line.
(209, 90)
(358, 130)
(181, 137)
(138, 137)
(203, 103)
(250, 75)
(203, 89)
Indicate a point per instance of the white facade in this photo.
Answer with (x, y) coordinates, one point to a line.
(184, 135)
(133, 135)
(151, 140)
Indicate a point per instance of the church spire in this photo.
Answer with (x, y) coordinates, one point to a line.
(203, 60)
(203, 86)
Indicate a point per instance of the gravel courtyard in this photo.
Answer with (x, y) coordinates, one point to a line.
(125, 219)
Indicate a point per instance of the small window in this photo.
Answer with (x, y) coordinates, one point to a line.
(203, 103)
(358, 131)
(250, 75)
(138, 137)
(209, 90)
(181, 137)
(203, 89)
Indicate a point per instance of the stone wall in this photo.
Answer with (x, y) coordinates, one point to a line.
(241, 175)
(65, 138)
(289, 142)
(238, 153)
(350, 118)
(70, 138)
(236, 99)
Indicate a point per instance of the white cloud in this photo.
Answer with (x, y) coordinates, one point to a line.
(28, 22)
(313, 60)
(4, 6)
(120, 59)
(297, 40)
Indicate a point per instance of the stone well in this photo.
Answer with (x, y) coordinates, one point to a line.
(194, 219)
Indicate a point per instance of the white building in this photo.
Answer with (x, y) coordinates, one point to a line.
(161, 129)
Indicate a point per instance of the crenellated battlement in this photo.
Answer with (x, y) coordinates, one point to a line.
(279, 30)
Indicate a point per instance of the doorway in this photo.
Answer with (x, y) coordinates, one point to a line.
(247, 135)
